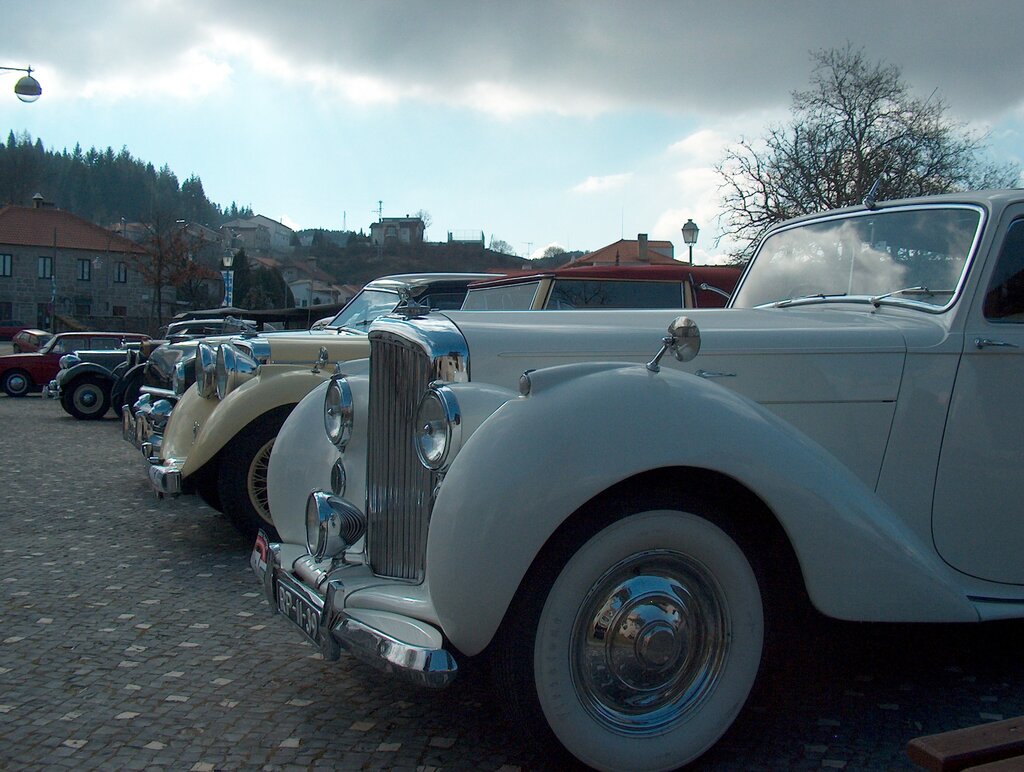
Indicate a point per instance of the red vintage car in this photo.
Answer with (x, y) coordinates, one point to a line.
(26, 341)
(23, 373)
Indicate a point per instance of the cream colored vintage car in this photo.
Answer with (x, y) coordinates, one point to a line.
(624, 520)
(219, 435)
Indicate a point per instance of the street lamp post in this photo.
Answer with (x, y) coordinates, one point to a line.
(690, 231)
(27, 88)
(228, 274)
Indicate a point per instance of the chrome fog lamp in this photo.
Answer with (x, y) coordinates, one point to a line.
(437, 428)
(234, 367)
(338, 412)
(206, 370)
(68, 361)
(332, 525)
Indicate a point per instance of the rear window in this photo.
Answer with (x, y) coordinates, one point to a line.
(576, 293)
(508, 297)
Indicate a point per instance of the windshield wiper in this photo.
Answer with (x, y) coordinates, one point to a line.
(917, 290)
(803, 299)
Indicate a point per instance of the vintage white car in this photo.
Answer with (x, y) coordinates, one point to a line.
(218, 437)
(623, 519)
(296, 468)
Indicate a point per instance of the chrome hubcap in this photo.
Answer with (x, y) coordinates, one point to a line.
(650, 642)
(86, 398)
(17, 383)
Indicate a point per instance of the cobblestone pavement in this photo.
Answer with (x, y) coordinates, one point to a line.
(134, 637)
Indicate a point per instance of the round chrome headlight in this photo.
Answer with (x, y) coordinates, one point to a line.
(234, 367)
(206, 370)
(68, 361)
(332, 524)
(338, 412)
(437, 427)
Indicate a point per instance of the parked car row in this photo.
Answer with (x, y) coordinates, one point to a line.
(622, 497)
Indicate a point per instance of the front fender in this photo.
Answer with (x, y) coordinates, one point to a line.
(538, 459)
(66, 377)
(274, 386)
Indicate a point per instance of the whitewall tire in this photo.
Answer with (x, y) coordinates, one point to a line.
(648, 642)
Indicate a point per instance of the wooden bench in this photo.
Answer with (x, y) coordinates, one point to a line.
(993, 747)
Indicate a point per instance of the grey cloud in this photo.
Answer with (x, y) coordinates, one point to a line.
(713, 58)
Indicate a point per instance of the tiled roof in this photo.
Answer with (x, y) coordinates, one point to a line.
(628, 251)
(30, 227)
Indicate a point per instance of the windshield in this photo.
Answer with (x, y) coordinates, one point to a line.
(910, 255)
(364, 308)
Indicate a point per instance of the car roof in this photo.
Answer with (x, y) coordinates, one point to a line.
(400, 281)
(681, 272)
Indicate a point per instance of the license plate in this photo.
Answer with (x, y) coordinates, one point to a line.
(258, 558)
(300, 611)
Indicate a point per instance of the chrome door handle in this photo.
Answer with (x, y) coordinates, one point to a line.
(713, 374)
(989, 343)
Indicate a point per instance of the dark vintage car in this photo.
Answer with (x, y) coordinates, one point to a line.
(24, 373)
(86, 380)
(29, 340)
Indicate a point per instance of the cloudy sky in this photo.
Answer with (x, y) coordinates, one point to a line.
(538, 123)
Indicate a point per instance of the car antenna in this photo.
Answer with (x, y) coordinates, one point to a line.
(871, 199)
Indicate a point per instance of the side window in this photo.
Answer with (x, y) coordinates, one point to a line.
(1004, 301)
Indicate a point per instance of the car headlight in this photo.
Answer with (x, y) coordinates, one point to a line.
(234, 367)
(437, 427)
(338, 412)
(332, 525)
(206, 370)
(68, 361)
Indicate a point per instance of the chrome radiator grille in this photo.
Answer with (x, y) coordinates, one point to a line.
(398, 487)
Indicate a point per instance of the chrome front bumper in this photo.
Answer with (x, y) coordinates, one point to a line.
(165, 478)
(142, 424)
(378, 638)
(52, 390)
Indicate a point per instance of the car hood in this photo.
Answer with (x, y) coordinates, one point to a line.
(25, 358)
(770, 355)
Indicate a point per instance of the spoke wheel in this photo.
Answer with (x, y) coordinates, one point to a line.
(242, 474)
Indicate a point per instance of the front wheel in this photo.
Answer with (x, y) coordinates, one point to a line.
(242, 474)
(17, 383)
(87, 399)
(637, 645)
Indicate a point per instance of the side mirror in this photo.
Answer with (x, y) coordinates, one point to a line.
(683, 340)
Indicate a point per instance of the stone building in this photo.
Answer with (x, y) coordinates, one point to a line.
(59, 271)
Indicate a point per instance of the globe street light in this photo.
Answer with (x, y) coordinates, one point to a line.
(690, 231)
(228, 260)
(27, 88)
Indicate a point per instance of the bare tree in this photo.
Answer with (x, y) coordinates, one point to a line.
(857, 123)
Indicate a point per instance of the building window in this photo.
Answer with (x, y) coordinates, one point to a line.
(5, 265)
(83, 307)
(121, 274)
(84, 270)
(45, 267)
(6, 310)
(120, 310)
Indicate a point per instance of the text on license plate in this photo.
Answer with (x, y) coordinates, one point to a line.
(299, 610)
